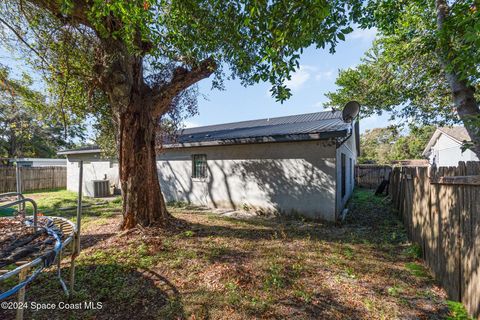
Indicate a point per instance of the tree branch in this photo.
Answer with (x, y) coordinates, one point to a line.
(42, 58)
(21, 39)
(182, 79)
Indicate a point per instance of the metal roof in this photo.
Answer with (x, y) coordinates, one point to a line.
(36, 159)
(309, 126)
(319, 125)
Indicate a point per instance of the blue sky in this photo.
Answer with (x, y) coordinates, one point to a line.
(316, 76)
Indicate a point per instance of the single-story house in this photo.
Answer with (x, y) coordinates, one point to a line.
(445, 147)
(300, 165)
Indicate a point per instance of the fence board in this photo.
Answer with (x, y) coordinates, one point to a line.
(444, 219)
(33, 178)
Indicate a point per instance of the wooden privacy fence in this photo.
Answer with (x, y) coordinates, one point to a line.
(371, 175)
(441, 212)
(33, 178)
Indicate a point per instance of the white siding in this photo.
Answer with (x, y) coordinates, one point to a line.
(448, 152)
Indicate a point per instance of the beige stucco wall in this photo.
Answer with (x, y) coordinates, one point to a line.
(288, 178)
(94, 168)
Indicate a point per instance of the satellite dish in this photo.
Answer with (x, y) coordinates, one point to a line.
(351, 110)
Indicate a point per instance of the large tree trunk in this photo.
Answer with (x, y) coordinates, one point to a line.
(463, 94)
(138, 109)
(132, 105)
(136, 106)
(143, 202)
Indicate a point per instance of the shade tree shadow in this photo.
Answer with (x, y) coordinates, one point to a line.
(303, 186)
(117, 292)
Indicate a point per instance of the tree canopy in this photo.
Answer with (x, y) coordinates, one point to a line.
(135, 62)
(426, 54)
(384, 145)
(27, 128)
(252, 40)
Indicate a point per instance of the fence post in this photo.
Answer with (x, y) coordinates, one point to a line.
(18, 180)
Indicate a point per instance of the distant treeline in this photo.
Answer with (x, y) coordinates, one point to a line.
(384, 145)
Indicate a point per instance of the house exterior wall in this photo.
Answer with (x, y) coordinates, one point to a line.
(286, 178)
(349, 149)
(448, 152)
(94, 168)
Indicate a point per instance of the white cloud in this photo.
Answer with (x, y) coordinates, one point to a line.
(375, 121)
(300, 77)
(320, 106)
(364, 34)
(325, 75)
(305, 73)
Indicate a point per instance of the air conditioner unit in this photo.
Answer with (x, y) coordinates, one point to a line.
(101, 188)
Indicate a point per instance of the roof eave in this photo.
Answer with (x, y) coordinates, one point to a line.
(68, 152)
(450, 136)
(431, 142)
(262, 139)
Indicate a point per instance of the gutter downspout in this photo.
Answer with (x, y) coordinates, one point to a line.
(350, 132)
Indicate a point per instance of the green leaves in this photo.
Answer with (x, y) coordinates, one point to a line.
(383, 145)
(28, 128)
(405, 73)
(256, 40)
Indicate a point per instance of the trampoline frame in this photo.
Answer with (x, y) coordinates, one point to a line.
(67, 227)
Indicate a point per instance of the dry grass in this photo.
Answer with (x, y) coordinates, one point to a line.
(221, 268)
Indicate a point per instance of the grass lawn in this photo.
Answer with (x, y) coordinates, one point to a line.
(222, 268)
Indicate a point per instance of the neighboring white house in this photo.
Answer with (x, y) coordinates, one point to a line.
(39, 162)
(445, 147)
(301, 165)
